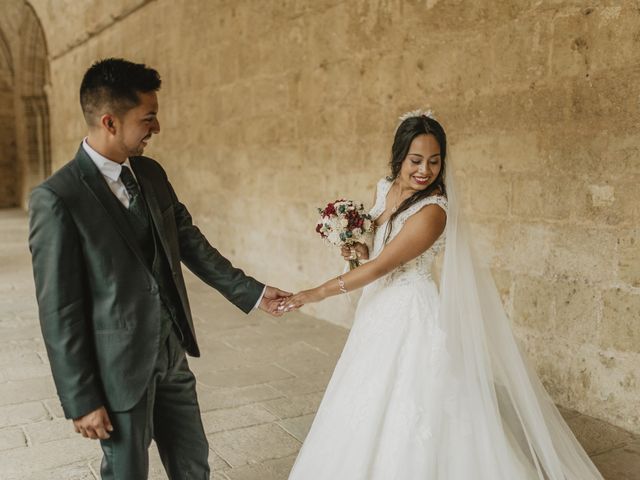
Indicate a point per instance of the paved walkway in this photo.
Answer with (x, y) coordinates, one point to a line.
(260, 383)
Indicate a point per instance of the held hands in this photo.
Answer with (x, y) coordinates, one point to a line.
(350, 252)
(273, 301)
(301, 298)
(357, 251)
(94, 425)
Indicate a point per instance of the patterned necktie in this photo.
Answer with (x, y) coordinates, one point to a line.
(136, 202)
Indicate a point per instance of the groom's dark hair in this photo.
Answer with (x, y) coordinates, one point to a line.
(113, 84)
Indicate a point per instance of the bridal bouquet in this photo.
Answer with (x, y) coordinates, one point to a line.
(344, 222)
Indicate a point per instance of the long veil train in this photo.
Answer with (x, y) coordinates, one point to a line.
(492, 386)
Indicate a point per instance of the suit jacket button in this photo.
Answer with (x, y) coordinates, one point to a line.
(153, 289)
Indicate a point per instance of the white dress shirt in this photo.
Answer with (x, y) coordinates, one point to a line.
(110, 170)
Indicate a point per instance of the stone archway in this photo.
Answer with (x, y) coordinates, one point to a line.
(8, 152)
(25, 151)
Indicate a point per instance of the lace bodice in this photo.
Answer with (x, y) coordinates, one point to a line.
(419, 267)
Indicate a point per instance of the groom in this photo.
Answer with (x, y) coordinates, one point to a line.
(107, 236)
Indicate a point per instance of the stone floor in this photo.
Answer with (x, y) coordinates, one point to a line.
(260, 382)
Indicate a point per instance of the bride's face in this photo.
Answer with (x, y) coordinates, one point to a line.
(422, 164)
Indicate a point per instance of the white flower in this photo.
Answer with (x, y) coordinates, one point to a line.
(334, 238)
(344, 222)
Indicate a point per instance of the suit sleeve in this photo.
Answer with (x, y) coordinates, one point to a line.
(58, 270)
(209, 265)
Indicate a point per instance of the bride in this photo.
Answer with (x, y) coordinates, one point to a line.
(431, 384)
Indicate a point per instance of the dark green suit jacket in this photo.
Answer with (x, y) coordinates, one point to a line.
(98, 301)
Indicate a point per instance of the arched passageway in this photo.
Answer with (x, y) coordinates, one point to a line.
(25, 152)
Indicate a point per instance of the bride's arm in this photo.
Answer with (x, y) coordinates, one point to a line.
(418, 234)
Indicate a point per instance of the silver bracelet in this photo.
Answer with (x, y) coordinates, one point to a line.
(341, 285)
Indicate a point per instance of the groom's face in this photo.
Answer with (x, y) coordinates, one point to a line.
(138, 124)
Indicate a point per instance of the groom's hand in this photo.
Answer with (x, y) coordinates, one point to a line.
(272, 301)
(95, 425)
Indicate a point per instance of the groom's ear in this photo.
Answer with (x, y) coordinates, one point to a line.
(107, 122)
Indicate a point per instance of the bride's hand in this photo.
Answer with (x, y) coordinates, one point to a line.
(357, 251)
(301, 298)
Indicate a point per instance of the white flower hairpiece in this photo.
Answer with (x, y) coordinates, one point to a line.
(415, 113)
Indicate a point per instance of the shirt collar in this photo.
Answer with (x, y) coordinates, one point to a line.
(108, 168)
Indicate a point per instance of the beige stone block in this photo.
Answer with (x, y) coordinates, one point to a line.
(327, 33)
(567, 413)
(385, 77)
(490, 194)
(593, 39)
(328, 84)
(610, 204)
(216, 462)
(52, 405)
(620, 464)
(542, 197)
(215, 398)
(506, 151)
(27, 390)
(268, 470)
(629, 257)
(298, 427)
(253, 444)
(521, 49)
(27, 412)
(583, 253)
(12, 438)
(268, 95)
(38, 461)
(577, 310)
(50, 431)
(439, 65)
(559, 365)
(217, 356)
(243, 376)
(233, 418)
(274, 60)
(17, 373)
(274, 129)
(74, 471)
(579, 377)
(532, 304)
(504, 282)
(11, 334)
(308, 363)
(294, 406)
(619, 329)
(301, 386)
(624, 150)
(600, 98)
(597, 436)
(525, 248)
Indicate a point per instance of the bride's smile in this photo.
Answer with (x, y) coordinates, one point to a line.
(421, 165)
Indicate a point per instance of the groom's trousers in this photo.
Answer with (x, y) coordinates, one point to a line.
(169, 414)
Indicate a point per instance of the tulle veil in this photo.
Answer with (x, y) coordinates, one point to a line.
(512, 428)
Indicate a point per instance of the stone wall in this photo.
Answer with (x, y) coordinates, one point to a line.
(270, 109)
(8, 153)
(8, 173)
(25, 158)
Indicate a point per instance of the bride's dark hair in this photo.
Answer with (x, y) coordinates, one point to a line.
(406, 132)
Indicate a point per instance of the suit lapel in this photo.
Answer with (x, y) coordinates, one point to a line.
(93, 180)
(149, 194)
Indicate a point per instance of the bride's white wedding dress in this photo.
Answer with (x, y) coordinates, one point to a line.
(403, 405)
